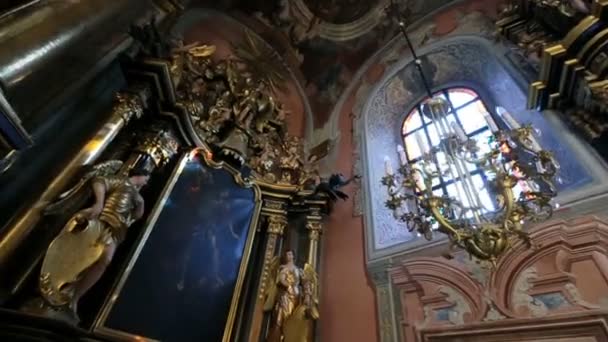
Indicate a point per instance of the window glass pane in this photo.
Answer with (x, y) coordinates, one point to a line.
(435, 139)
(412, 122)
(483, 142)
(451, 118)
(461, 96)
(411, 147)
(443, 164)
(470, 167)
(456, 191)
(471, 117)
(438, 192)
(481, 191)
(518, 189)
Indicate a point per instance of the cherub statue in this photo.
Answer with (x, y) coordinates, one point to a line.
(292, 297)
(80, 254)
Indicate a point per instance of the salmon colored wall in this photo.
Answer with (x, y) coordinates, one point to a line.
(347, 299)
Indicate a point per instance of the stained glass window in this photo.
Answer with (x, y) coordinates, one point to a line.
(467, 111)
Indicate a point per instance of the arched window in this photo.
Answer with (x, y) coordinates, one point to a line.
(468, 111)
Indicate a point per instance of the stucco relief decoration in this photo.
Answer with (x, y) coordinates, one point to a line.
(540, 288)
(522, 300)
(460, 307)
(438, 294)
(397, 93)
(567, 274)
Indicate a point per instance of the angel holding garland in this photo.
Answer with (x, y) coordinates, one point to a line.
(292, 297)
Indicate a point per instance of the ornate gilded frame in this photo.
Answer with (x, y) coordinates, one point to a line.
(206, 157)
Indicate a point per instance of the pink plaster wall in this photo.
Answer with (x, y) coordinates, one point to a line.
(347, 298)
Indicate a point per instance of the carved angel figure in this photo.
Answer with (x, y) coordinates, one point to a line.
(80, 254)
(292, 296)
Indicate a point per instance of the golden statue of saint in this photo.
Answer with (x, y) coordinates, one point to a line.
(80, 254)
(292, 298)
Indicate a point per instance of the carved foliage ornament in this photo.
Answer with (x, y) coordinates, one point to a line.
(232, 107)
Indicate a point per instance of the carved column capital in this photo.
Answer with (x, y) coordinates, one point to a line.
(314, 230)
(276, 224)
(378, 272)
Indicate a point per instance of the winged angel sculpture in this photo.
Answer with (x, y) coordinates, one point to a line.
(293, 298)
(80, 254)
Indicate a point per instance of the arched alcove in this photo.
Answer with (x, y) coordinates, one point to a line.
(476, 63)
(207, 26)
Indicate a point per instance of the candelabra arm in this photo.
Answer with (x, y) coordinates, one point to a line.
(506, 184)
(446, 226)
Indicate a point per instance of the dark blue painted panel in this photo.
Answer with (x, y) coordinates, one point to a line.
(181, 287)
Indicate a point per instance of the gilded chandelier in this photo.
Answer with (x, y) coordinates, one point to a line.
(513, 161)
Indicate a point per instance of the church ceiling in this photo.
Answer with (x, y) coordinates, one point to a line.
(330, 38)
(340, 11)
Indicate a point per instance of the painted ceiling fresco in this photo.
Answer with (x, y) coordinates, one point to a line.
(331, 39)
(340, 11)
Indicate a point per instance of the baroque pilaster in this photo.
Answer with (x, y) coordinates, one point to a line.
(387, 304)
(314, 226)
(274, 211)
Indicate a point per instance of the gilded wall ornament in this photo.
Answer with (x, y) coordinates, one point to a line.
(232, 106)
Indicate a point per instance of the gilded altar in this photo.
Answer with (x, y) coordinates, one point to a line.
(171, 221)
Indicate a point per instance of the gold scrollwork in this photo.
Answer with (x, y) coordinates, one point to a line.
(128, 106)
(276, 224)
(160, 146)
(233, 97)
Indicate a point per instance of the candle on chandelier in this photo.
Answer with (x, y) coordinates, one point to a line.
(402, 157)
(511, 122)
(424, 148)
(388, 167)
(490, 122)
(539, 166)
(535, 146)
(459, 132)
